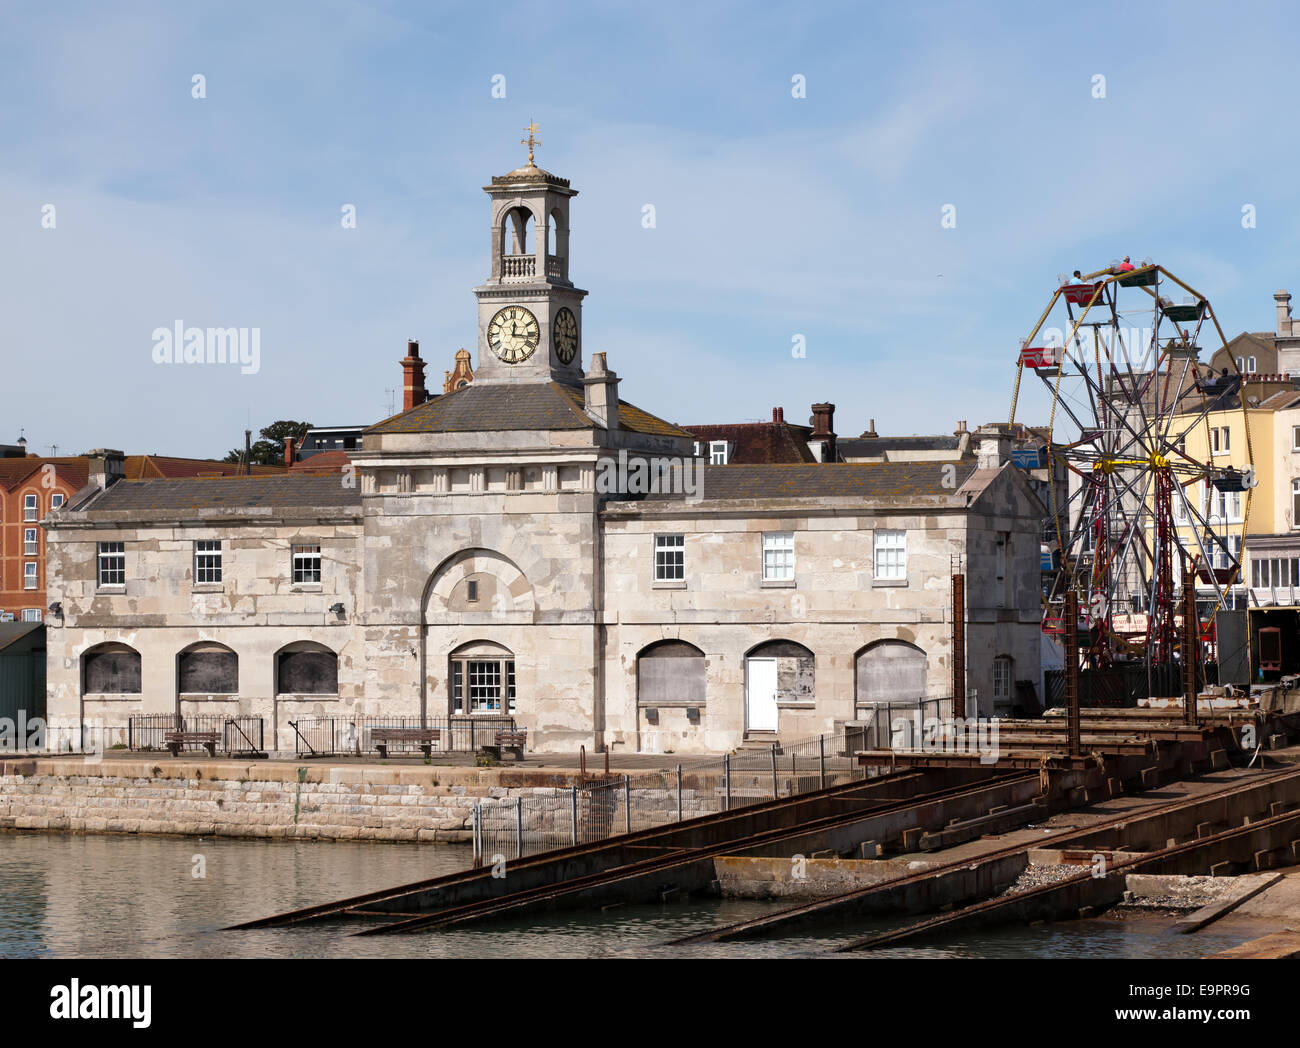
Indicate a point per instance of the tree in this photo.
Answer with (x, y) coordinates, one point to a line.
(269, 449)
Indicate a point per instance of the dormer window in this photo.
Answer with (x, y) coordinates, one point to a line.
(719, 452)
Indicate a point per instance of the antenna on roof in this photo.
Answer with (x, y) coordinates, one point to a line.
(392, 402)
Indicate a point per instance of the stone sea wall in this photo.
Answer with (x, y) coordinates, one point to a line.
(348, 803)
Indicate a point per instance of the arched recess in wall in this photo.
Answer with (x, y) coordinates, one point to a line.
(207, 668)
(670, 673)
(795, 669)
(110, 669)
(890, 671)
(306, 668)
(481, 678)
(478, 586)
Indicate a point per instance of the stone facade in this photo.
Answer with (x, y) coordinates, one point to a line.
(479, 559)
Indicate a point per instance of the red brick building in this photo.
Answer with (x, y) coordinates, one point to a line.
(754, 443)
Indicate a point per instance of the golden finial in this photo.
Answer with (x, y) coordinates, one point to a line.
(530, 141)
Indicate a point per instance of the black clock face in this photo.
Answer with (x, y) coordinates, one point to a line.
(513, 334)
(565, 335)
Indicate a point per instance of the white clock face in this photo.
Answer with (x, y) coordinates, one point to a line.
(513, 334)
(565, 335)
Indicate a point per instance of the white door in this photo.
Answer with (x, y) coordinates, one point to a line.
(760, 695)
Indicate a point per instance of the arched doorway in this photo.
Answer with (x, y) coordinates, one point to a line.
(776, 671)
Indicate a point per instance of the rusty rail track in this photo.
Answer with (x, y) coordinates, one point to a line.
(810, 912)
(645, 837)
(506, 905)
(983, 911)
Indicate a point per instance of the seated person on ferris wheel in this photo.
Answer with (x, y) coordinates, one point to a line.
(1125, 267)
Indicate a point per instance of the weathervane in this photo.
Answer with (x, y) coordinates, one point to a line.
(530, 141)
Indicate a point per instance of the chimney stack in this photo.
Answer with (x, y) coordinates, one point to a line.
(994, 447)
(413, 392)
(600, 393)
(961, 427)
(778, 415)
(824, 430)
(290, 451)
(1283, 300)
(106, 467)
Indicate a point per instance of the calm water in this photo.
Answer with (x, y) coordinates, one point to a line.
(95, 896)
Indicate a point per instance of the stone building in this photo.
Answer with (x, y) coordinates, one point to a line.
(531, 544)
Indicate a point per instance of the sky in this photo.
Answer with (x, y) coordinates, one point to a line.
(777, 219)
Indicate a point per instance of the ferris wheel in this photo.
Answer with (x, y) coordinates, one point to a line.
(1151, 445)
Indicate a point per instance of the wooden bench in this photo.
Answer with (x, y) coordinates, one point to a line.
(174, 740)
(515, 741)
(381, 738)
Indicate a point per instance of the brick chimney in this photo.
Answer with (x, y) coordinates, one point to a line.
(1283, 300)
(413, 392)
(823, 421)
(778, 416)
(290, 451)
(870, 431)
(106, 467)
(600, 393)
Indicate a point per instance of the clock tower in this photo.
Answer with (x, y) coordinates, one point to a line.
(529, 312)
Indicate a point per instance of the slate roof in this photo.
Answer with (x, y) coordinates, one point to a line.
(481, 407)
(758, 442)
(180, 497)
(876, 446)
(831, 480)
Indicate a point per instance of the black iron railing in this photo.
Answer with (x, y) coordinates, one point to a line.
(241, 734)
(336, 736)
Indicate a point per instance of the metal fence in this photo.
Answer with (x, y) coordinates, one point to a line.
(335, 736)
(592, 811)
(242, 734)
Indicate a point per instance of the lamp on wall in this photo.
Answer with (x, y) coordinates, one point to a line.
(57, 608)
(337, 608)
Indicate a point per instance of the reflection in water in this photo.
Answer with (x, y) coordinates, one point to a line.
(95, 896)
